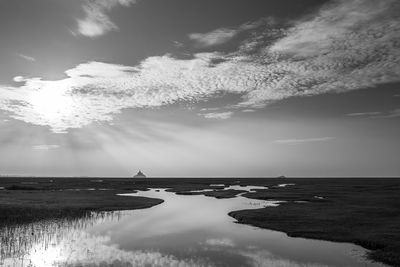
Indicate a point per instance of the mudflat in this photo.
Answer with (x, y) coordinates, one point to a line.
(364, 211)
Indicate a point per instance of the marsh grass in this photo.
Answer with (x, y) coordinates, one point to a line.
(17, 240)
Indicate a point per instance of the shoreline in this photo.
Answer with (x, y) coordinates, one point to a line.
(364, 212)
(376, 251)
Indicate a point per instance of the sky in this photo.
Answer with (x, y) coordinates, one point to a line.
(176, 88)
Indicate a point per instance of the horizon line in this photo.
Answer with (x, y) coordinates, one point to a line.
(196, 177)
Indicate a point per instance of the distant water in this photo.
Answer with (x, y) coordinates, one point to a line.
(182, 231)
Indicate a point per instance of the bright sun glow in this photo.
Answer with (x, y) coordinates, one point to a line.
(52, 102)
(46, 257)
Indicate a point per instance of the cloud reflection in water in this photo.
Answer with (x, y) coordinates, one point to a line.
(182, 231)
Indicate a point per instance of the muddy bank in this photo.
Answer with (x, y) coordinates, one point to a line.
(364, 214)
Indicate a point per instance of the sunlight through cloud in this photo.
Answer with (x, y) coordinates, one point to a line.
(358, 52)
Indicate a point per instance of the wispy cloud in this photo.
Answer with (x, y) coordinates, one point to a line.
(210, 109)
(221, 35)
(28, 58)
(347, 45)
(215, 37)
(218, 115)
(361, 114)
(302, 141)
(178, 44)
(96, 21)
(220, 242)
(45, 147)
(377, 114)
(391, 114)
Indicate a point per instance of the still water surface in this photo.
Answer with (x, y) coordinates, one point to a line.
(182, 231)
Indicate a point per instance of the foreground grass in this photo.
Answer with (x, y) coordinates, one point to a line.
(25, 206)
(361, 211)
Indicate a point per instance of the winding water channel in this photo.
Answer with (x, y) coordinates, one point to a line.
(185, 230)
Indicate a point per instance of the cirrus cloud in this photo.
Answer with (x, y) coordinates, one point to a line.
(45, 147)
(96, 22)
(27, 58)
(347, 45)
(223, 35)
(302, 141)
(218, 115)
(215, 37)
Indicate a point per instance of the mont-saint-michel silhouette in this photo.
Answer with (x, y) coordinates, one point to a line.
(140, 174)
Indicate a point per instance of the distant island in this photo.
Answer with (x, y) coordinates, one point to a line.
(140, 174)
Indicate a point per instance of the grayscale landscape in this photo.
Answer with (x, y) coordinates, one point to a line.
(188, 133)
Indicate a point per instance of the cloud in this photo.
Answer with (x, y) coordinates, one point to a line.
(378, 114)
(359, 114)
(95, 91)
(45, 147)
(215, 37)
(302, 141)
(218, 115)
(221, 35)
(391, 114)
(338, 25)
(178, 44)
(28, 58)
(96, 22)
(220, 242)
(346, 45)
(210, 109)
(18, 79)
